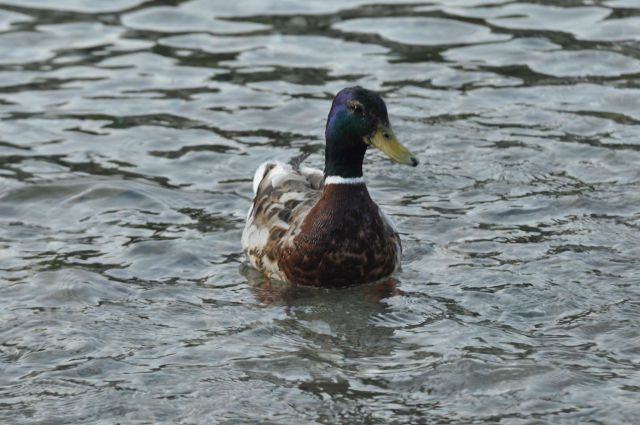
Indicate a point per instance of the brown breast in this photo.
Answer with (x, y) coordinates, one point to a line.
(343, 240)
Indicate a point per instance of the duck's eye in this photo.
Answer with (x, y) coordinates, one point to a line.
(386, 135)
(356, 107)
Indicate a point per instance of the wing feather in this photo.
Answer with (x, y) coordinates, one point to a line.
(283, 195)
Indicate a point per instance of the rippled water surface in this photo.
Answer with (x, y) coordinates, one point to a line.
(129, 132)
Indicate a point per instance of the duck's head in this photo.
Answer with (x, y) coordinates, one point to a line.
(358, 119)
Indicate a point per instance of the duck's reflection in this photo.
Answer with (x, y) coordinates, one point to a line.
(270, 292)
(348, 321)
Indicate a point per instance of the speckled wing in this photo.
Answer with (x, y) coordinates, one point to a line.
(283, 195)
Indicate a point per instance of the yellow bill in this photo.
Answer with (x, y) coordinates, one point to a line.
(386, 141)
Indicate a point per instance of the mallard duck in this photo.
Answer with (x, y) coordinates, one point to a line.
(319, 228)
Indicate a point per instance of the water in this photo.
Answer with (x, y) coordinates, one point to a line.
(129, 132)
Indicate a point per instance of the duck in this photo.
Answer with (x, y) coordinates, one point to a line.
(315, 227)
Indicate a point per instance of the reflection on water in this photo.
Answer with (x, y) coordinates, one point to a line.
(129, 132)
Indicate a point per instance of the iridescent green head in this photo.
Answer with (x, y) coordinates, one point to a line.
(357, 120)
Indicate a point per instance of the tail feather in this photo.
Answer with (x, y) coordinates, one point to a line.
(299, 159)
(262, 171)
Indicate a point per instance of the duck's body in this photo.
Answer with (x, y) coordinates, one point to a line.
(314, 228)
(303, 230)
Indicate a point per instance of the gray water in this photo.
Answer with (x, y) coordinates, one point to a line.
(129, 133)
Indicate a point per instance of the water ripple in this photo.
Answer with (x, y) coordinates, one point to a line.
(129, 131)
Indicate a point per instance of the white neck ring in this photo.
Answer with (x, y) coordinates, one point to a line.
(343, 180)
